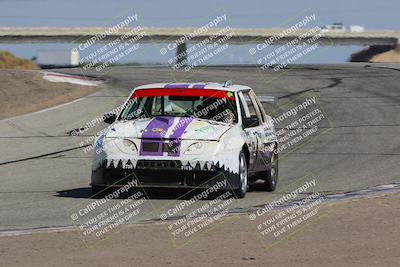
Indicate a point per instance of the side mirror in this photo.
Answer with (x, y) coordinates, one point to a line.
(250, 122)
(109, 118)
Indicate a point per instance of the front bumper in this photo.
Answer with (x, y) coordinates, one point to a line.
(163, 173)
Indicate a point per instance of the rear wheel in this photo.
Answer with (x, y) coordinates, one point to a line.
(242, 176)
(271, 176)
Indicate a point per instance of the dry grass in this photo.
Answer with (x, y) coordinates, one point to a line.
(24, 91)
(9, 61)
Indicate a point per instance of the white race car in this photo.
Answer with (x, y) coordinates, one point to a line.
(183, 135)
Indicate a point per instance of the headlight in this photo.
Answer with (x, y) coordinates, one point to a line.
(129, 145)
(196, 148)
(126, 146)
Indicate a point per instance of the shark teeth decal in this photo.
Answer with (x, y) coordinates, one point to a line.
(120, 163)
(208, 165)
(130, 165)
(119, 166)
(185, 162)
(202, 164)
(124, 161)
(109, 163)
(185, 165)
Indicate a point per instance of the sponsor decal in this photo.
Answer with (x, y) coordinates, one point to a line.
(157, 130)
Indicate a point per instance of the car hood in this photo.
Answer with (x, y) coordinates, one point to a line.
(164, 127)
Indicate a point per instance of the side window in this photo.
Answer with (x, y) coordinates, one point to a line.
(252, 109)
(249, 109)
(244, 109)
(252, 103)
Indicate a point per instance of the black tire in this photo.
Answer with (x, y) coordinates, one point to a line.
(271, 176)
(240, 192)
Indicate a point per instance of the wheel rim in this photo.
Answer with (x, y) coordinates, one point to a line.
(243, 174)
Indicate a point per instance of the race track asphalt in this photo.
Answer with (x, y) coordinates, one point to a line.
(44, 173)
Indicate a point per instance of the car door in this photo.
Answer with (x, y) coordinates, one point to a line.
(252, 122)
(268, 141)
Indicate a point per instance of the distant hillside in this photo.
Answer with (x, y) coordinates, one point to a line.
(9, 61)
(389, 56)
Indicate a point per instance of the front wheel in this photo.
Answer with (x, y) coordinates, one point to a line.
(242, 176)
(271, 176)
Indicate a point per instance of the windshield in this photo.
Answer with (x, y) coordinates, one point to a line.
(207, 104)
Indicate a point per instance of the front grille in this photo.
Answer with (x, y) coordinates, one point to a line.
(158, 164)
(171, 147)
(150, 146)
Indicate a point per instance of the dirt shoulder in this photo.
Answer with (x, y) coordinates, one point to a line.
(389, 56)
(25, 91)
(358, 232)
